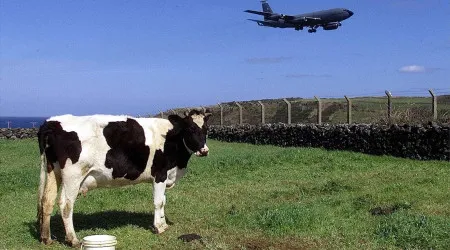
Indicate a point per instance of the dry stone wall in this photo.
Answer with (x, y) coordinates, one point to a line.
(18, 133)
(424, 142)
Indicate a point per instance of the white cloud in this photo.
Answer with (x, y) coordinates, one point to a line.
(412, 69)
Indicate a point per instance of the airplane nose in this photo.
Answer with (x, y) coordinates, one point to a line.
(350, 13)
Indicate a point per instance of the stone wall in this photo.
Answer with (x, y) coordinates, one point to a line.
(423, 142)
(18, 133)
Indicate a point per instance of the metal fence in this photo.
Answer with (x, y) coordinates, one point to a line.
(382, 109)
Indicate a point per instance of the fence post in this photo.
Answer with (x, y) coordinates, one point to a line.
(448, 143)
(389, 106)
(433, 104)
(162, 114)
(288, 110)
(221, 114)
(319, 110)
(240, 112)
(263, 116)
(349, 110)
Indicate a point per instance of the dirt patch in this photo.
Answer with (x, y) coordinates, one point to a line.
(190, 237)
(387, 210)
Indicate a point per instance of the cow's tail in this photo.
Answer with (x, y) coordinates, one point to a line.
(42, 178)
(49, 179)
(42, 138)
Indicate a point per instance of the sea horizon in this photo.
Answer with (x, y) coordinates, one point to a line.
(21, 121)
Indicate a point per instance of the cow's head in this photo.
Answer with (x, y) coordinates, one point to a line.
(193, 129)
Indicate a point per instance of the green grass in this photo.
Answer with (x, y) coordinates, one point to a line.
(249, 197)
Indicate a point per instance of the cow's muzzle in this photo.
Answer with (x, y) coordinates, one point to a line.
(203, 151)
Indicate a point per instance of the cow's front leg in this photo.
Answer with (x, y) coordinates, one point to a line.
(159, 200)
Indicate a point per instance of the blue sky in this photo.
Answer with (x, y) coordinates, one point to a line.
(139, 57)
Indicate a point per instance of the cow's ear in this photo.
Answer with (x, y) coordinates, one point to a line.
(177, 122)
(207, 115)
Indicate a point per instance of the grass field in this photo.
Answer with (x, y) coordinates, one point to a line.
(250, 197)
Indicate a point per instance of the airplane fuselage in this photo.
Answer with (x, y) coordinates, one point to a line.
(326, 16)
(335, 15)
(328, 19)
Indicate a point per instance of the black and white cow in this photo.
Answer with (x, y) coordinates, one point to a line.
(80, 153)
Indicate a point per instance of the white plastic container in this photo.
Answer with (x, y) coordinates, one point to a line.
(99, 242)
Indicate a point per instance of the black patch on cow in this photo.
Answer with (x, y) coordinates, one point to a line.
(175, 153)
(128, 155)
(58, 144)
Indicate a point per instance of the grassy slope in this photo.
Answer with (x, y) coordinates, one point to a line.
(249, 197)
(334, 110)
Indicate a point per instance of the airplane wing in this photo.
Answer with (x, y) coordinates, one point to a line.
(287, 17)
(307, 19)
(260, 23)
(312, 18)
(259, 12)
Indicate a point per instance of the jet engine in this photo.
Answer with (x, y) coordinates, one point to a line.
(331, 26)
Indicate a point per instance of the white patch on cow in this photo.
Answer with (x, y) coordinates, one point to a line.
(173, 175)
(199, 120)
(204, 150)
(159, 200)
(71, 178)
(94, 147)
(89, 130)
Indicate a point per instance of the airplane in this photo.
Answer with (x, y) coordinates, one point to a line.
(327, 19)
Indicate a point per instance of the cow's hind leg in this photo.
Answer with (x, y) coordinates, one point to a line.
(159, 200)
(71, 184)
(46, 206)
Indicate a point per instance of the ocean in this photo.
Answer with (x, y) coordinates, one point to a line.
(21, 122)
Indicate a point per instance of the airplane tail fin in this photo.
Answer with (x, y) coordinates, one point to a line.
(266, 7)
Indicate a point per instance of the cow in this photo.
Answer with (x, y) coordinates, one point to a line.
(80, 153)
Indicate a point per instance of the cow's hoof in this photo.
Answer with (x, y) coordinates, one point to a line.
(47, 241)
(74, 243)
(160, 229)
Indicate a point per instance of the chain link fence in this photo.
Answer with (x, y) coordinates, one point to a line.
(379, 109)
